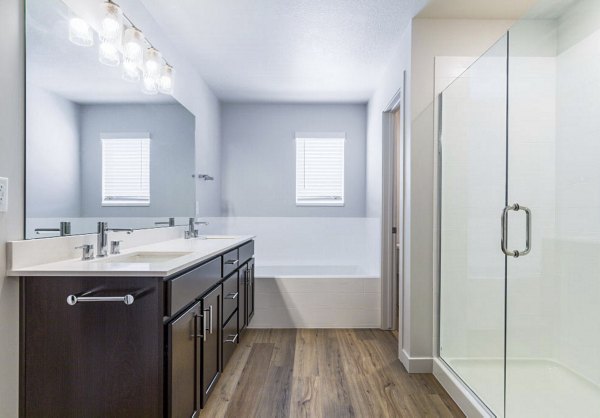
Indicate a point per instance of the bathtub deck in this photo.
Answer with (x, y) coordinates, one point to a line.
(324, 373)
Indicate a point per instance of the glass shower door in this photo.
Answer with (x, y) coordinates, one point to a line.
(553, 293)
(472, 193)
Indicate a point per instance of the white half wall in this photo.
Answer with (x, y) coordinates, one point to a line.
(310, 241)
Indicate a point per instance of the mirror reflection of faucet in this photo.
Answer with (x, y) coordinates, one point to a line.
(170, 223)
(63, 230)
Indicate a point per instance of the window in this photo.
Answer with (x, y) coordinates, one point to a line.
(320, 170)
(126, 172)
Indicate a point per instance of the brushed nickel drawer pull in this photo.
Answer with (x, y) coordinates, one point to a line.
(73, 300)
(198, 326)
(232, 338)
(232, 262)
(232, 296)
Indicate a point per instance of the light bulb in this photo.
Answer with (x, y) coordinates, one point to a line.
(149, 85)
(131, 71)
(108, 54)
(111, 23)
(133, 46)
(80, 33)
(165, 82)
(152, 63)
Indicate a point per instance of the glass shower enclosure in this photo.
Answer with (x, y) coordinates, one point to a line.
(519, 172)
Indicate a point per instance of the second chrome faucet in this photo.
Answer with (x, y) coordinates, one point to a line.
(192, 232)
(102, 249)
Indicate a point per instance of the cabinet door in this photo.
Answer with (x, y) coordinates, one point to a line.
(211, 343)
(183, 346)
(250, 291)
(243, 303)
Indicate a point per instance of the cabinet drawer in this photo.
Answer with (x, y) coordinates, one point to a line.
(246, 252)
(231, 262)
(230, 338)
(184, 289)
(230, 296)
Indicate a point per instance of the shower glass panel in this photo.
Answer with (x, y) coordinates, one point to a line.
(473, 189)
(553, 293)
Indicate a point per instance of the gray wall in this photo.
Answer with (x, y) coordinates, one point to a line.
(258, 162)
(53, 172)
(12, 122)
(172, 130)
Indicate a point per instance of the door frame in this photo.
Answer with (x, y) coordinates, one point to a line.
(392, 300)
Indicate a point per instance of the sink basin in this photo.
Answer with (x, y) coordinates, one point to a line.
(217, 237)
(144, 257)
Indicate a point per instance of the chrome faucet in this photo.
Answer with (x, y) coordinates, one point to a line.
(102, 250)
(192, 232)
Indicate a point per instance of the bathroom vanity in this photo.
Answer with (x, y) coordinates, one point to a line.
(143, 334)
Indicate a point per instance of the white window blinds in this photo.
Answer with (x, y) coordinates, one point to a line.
(126, 172)
(320, 171)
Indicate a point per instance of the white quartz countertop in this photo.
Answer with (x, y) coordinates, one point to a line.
(197, 250)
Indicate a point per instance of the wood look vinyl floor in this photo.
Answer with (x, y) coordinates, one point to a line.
(324, 373)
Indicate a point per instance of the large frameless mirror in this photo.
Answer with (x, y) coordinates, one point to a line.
(105, 141)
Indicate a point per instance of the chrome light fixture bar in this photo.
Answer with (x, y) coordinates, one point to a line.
(121, 42)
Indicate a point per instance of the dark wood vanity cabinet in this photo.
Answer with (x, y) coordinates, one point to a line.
(160, 356)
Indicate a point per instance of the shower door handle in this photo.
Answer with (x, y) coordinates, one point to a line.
(504, 225)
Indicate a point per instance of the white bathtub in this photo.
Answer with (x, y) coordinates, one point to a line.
(312, 296)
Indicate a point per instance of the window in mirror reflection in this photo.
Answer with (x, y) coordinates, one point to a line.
(126, 172)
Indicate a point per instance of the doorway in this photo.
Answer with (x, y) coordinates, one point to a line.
(393, 152)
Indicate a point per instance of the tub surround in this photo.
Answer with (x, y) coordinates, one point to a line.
(192, 252)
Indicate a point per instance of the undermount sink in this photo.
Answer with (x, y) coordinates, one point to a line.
(144, 257)
(218, 237)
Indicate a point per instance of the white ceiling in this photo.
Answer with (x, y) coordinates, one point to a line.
(286, 50)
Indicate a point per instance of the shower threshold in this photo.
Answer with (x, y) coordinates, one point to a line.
(534, 388)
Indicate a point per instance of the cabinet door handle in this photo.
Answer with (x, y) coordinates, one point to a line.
(232, 338)
(232, 262)
(197, 326)
(232, 295)
(204, 324)
(210, 309)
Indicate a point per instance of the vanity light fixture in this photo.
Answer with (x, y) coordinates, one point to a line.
(134, 43)
(122, 42)
(165, 83)
(111, 23)
(108, 54)
(80, 33)
(149, 84)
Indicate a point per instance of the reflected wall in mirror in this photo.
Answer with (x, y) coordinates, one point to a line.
(98, 148)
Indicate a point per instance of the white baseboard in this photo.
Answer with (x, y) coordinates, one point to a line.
(416, 364)
(464, 398)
